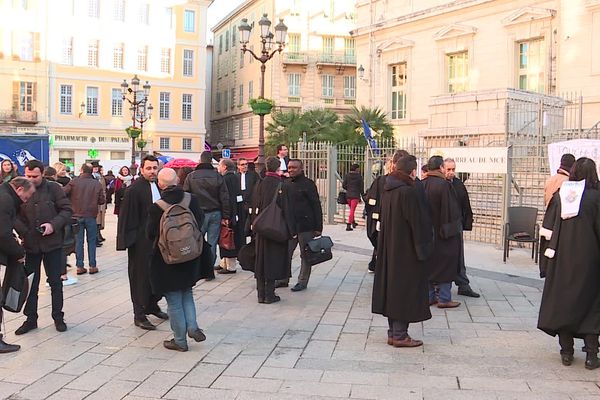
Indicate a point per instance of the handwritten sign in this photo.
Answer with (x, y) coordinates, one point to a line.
(589, 148)
(491, 160)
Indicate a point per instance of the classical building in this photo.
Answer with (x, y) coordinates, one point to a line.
(317, 68)
(63, 61)
(432, 65)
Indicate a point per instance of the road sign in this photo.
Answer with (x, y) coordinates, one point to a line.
(226, 153)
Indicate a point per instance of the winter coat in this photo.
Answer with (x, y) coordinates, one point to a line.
(208, 185)
(305, 204)
(353, 183)
(86, 194)
(10, 249)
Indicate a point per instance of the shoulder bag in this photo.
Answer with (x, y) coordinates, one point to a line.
(270, 222)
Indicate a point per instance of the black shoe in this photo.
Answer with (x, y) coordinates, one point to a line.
(467, 291)
(272, 299)
(210, 278)
(217, 268)
(160, 314)
(7, 348)
(592, 361)
(280, 284)
(226, 271)
(566, 359)
(298, 287)
(349, 227)
(147, 325)
(171, 345)
(198, 335)
(354, 224)
(26, 327)
(60, 325)
(371, 266)
(99, 244)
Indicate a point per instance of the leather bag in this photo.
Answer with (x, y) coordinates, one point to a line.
(270, 222)
(15, 287)
(318, 250)
(342, 197)
(226, 236)
(247, 256)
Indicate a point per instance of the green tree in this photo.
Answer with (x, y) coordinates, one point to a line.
(381, 128)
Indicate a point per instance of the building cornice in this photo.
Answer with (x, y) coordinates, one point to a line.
(396, 44)
(417, 16)
(246, 4)
(592, 4)
(528, 14)
(454, 31)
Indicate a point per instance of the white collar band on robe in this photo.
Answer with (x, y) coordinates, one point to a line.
(571, 193)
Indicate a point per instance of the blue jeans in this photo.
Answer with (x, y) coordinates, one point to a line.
(212, 228)
(182, 314)
(444, 292)
(87, 224)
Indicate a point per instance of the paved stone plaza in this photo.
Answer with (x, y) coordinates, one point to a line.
(322, 343)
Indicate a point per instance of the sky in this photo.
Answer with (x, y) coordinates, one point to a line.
(217, 11)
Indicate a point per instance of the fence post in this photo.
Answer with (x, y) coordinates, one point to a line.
(368, 168)
(507, 189)
(331, 183)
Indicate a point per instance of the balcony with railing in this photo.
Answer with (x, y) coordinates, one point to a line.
(336, 59)
(297, 58)
(18, 117)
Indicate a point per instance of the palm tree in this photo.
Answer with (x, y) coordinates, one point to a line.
(377, 119)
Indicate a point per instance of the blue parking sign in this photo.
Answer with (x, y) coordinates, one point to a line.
(226, 153)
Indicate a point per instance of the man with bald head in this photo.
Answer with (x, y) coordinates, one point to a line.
(175, 281)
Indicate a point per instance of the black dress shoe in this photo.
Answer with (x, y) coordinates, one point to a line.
(272, 299)
(171, 345)
(280, 284)
(26, 327)
(298, 287)
(7, 348)
(160, 314)
(567, 359)
(60, 325)
(226, 271)
(467, 291)
(197, 334)
(147, 325)
(592, 361)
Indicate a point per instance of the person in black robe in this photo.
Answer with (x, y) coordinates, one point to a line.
(400, 286)
(570, 306)
(271, 261)
(444, 263)
(229, 256)
(248, 179)
(131, 235)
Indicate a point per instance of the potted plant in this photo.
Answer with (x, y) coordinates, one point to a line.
(133, 132)
(142, 143)
(261, 106)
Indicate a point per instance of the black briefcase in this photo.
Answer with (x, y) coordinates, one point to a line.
(318, 250)
(246, 256)
(15, 287)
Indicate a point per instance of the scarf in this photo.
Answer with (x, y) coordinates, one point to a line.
(127, 179)
(273, 175)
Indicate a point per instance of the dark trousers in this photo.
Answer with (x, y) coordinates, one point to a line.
(265, 288)
(397, 330)
(305, 268)
(566, 343)
(144, 302)
(461, 279)
(52, 266)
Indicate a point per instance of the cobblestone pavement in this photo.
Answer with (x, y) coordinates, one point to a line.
(322, 343)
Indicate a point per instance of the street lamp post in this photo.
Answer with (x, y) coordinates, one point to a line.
(140, 108)
(266, 54)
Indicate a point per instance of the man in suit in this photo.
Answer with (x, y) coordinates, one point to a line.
(307, 215)
(282, 155)
(464, 287)
(248, 181)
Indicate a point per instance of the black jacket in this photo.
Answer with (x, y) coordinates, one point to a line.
(48, 204)
(465, 204)
(166, 277)
(208, 185)
(9, 206)
(353, 183)
(252, 179)
(305, 204)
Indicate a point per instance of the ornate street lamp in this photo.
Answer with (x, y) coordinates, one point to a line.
(141, 111)
(266, 54)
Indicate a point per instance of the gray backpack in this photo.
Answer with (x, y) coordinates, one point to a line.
(180, 238)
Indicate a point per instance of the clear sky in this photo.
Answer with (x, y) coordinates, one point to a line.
(217, 11)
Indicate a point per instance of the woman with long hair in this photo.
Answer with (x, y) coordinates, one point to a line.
(8, 171)
(570, 306)
(123, 180)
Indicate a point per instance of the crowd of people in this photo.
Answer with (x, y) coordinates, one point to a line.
(174, 223)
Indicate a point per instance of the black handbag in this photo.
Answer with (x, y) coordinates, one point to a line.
(270, 222)
(247, 256)
(15, 287)
(342, 197)
(318, 250)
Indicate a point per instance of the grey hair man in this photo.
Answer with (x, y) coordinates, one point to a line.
(228, 261)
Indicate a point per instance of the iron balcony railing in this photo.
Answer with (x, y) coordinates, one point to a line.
(327, 58)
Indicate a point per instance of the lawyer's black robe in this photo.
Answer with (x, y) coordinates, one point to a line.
(571, 297)
(233, 187)
(444, 263)
(131, 235)
(401, 285)
(271, 261)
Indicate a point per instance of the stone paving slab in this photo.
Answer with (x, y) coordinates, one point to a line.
(323, 343)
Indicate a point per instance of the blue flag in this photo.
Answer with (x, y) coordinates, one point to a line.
(372, 142)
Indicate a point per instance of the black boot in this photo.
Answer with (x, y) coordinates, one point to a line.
(7, 348)
(260, 289)
(270, 296)
(349, 227)
(566, 348)
(99, 235)
(591, 360)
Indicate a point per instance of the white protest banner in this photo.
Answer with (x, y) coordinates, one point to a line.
(491, 160)
(589, 148)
